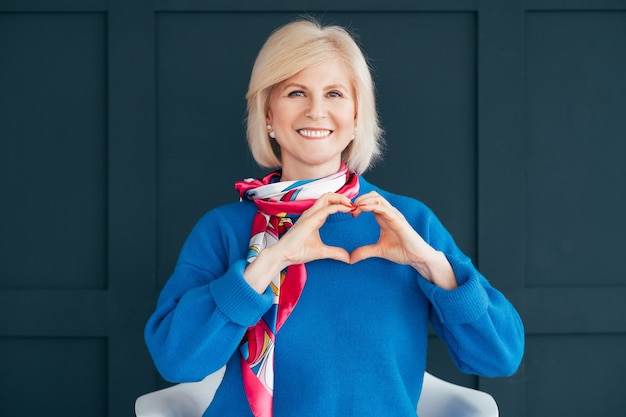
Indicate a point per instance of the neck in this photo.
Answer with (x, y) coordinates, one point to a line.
(296, 173)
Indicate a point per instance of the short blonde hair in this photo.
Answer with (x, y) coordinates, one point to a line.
(292, 48)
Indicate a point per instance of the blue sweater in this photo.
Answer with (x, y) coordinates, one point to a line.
(356, 342)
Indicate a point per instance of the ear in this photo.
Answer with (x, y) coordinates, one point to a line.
(268, 117)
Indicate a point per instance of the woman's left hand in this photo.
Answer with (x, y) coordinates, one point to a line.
(400, 243)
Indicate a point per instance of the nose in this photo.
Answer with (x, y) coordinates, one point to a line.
(316, 109)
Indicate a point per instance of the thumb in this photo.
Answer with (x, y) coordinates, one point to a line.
(337, 253)
(363, 252)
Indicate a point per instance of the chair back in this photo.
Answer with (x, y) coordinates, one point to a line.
(439, 399)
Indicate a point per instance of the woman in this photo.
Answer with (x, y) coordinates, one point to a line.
(316, 289)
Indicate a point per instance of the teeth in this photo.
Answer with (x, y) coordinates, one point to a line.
(314, 133)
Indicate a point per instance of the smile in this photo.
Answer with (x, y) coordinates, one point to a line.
(316, 134)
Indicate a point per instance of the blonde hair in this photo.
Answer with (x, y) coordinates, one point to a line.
(292, 48)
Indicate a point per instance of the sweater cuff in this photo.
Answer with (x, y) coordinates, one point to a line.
(237, 300)
(463, 304)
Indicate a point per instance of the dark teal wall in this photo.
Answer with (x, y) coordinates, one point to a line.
(123, 122)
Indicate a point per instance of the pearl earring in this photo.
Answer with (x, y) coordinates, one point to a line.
(271, 133)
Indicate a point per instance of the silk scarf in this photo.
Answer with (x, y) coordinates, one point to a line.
(276, 201)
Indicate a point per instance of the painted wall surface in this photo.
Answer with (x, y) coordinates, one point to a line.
(122, 122)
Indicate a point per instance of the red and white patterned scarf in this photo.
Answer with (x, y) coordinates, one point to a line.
(276, 200)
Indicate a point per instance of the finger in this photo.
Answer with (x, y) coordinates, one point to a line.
(387, 211)
(337, 253)
(329, 204)
(371, 200)
(382, 209)
(364, 252)
(334, 198)
(371, 194)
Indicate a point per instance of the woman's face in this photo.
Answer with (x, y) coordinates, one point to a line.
(313, 115)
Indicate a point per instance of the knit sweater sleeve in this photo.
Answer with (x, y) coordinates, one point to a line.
(206, 305)
(481, 328)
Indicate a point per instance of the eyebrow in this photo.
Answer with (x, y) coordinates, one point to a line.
(303, 87)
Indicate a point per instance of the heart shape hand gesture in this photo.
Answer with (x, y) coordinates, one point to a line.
(398, 242)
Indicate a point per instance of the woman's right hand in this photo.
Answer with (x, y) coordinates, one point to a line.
(301, 244)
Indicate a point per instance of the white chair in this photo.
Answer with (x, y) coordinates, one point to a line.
(439, 399)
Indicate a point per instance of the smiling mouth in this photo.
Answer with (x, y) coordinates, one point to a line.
(314, 134)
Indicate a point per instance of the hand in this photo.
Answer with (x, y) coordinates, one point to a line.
(301, 244)
(400, 243)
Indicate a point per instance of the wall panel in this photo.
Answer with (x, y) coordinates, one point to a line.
(53, 377)
(52, 156)
(575, 375)
(576, 196)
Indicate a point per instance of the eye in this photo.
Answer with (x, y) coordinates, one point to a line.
(335, 94)
(296, 93)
